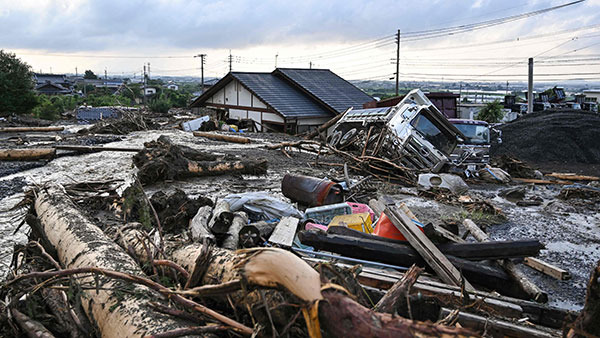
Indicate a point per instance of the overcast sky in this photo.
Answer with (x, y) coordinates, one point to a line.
(60, 35)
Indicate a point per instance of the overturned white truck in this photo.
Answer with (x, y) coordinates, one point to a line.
(413, 133)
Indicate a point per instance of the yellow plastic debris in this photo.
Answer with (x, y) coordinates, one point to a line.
(360, 222)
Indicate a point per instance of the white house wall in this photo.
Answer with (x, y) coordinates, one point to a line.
(256, 116)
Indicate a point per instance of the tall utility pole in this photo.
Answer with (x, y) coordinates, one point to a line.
(310, 65)
(276, 55)
(148, 70)
(144, 85)
(530, 88)
(230, 60)
(397, 61)
(76, 72)
(201, 56)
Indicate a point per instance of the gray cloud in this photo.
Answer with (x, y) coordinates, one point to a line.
(115, 25)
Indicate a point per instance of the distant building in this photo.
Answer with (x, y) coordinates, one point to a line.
(288, 99)
(172, 86)
(592, 95)
(444, 101)
(148, 91)
(52, 84)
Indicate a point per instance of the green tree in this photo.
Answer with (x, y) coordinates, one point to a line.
(492, 112)
(160, 105)
(89, 75)
(16, 85)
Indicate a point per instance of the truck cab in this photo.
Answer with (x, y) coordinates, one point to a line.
(413, 132)
(474, 151)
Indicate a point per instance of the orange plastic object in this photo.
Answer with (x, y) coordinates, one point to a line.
(386, 229)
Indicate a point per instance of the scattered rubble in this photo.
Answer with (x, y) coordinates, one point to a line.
(290, 237)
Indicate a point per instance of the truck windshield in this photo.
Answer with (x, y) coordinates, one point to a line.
(474, 134)
(432, 133)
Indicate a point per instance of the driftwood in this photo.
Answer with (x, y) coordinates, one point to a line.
(532, 290)
(81, 244)
(162, 160)
(32, 328)
(199, 225)
(30, 154)
(325, 125)
(340, 316)
(221, 137)
(397, 294)
(32, 129)
(252, 235)
(93, 149)
(499, 328)
(232, 240)
(221, 219)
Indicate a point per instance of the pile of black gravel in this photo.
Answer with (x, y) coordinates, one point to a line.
(567, 136)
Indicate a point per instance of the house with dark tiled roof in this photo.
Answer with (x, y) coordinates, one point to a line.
(52, 84)
(287, 99)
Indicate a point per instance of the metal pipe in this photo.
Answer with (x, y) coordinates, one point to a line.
(348, 259)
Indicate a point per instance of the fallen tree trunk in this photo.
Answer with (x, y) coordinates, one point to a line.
(32, 328)
(388, 253)
(532, 290)
(396, 295)
(325, 125)
(26, 129)
(199, 225)
(93, 149)
(232, 240)
(31, 154)
(340, 316)
(81, 244)
(221, 137)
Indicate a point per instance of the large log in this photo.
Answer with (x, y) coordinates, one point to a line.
(389, 253)
(232, 240)
(33, 129)
(471, 251)
(199, 225)
(532, 290)
(221, 137)
(81, 244)
(30, 154)
(325, 126)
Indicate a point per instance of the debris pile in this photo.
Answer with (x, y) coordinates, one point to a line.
(302, 252)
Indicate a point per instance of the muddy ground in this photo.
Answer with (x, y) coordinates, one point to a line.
(571, 234)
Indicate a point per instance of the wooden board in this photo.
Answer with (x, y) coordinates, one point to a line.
(284, 232)
(536, 181)
(547, 268)
(574, 177)
(430, 253)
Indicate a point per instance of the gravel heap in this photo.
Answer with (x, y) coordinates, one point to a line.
(568, 136)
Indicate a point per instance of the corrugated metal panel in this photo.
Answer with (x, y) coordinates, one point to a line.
(327, 87)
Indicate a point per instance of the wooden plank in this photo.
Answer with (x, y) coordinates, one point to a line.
(377, 206)
(536, 181)
(574, 177)
(547, 268)
(222, 137)
(525, 284)
(500, 328)
(436, 230)
(432, 255)
(408, 212)
(284, 232)
(30, 129)
(91, 149)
